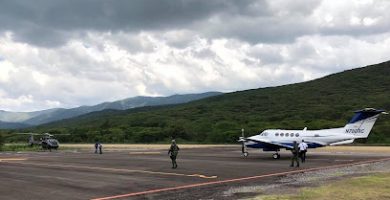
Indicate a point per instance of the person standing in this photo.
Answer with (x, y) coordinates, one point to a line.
(302, 150)
(173, 151)
(100, 148)
(294, 151)
(96, 146)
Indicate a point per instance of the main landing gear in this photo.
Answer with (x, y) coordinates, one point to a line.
(276, 155)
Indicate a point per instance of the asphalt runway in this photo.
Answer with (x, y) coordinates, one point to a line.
(203, 173)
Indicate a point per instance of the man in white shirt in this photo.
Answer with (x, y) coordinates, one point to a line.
(302, 150)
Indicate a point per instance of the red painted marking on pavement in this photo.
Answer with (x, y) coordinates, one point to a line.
(236, 180)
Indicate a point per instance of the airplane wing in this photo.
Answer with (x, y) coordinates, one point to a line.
(312, 144)
(272, 143)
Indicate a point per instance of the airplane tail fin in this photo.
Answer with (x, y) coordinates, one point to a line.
(362, 122)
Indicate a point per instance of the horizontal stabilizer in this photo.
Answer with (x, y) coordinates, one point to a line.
(342, 142)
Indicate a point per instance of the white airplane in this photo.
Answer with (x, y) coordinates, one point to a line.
(275, 139)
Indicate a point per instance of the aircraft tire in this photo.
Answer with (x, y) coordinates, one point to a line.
(276, 156)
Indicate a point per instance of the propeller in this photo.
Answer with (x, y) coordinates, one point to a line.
(242, 139)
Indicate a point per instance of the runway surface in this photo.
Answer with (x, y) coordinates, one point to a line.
(203, 173)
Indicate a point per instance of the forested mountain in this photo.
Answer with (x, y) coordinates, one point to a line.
(24, 119)
(322, 103)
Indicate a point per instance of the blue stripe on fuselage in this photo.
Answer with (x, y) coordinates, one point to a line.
(262, 145)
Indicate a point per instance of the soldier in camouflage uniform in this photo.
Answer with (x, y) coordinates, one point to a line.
(173, 151)
(295, 152)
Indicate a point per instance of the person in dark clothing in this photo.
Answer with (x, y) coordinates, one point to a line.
(295, 152)
(100, 148)
(96, 147)
(173, 151)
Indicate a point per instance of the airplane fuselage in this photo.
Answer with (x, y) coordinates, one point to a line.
(275, 139)
(314, 138)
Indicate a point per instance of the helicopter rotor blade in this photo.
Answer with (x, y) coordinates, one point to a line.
(47, 134)
(27, 133)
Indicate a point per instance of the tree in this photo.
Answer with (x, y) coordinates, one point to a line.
(1, 141)
(177, 131)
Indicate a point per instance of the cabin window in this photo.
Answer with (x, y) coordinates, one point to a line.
(276, 134)
(286, 135)
(291, 134)
(282, 134)
(296, 134)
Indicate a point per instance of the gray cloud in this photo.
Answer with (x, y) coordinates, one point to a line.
(51, 23)
(46, 22)
(66, 53)
(54, 22)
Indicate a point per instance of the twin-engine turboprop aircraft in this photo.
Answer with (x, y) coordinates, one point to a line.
(275, 139)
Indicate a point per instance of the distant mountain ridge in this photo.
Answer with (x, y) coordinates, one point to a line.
(327, 102)
(6, 116)
(12, 125)
(24, 119)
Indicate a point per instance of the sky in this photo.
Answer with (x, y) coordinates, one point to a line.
(68, 53)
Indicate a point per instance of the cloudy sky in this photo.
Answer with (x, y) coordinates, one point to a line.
(67, 53)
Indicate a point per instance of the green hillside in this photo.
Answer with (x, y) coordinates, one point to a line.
(323, 103)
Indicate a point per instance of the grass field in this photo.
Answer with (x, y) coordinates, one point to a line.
(367, 187)
(19, 147)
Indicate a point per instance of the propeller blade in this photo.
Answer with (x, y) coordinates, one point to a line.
(242, 139)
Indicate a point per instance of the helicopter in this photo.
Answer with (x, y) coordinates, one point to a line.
(47, 141)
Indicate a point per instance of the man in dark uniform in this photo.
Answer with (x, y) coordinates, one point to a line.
(294, 151)
(96, 146)
(173, 151)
